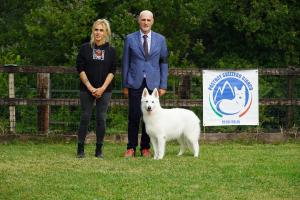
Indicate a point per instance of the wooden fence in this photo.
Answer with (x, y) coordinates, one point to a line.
(44, 101)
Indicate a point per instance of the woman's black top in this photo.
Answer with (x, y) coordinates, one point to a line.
(97, 62)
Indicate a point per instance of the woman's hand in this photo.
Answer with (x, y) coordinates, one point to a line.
(98, 92)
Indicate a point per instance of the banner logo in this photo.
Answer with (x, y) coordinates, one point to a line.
(231, 94)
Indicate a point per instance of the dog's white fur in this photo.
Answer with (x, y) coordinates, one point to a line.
(163, 125)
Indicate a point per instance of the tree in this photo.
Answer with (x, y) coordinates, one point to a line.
(56, 29)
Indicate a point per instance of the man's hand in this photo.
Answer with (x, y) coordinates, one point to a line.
(162, 92)
(125, 92)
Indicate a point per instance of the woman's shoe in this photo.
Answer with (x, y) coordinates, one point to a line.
(98, 151)
(80, 150)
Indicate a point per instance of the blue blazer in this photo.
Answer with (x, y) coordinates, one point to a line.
(136, 65)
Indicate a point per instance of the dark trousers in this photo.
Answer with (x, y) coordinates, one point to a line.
(134, 119)
(87, 103)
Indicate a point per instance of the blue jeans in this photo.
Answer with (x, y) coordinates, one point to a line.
(87, 101)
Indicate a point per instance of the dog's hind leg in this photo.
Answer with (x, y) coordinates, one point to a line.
(182, 145)
(195, 147)
(192, 135)
(193, 144)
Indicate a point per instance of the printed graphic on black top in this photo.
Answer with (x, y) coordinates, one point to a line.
(98, 54)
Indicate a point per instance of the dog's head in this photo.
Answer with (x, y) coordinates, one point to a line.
(150, 102)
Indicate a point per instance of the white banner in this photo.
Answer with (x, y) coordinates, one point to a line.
(230, 97)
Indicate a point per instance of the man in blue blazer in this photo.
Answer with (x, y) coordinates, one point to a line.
(145, 64)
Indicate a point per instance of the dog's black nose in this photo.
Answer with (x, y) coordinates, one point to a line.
(149, 108)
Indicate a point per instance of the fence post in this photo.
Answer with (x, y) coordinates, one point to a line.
(290, 113)
(12, 109)
(43, 91)
(185, 87)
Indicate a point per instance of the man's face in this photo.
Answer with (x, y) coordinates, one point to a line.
(145, 22)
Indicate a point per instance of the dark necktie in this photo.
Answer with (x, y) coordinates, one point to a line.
(145, 45)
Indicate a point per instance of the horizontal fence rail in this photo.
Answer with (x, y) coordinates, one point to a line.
(124, 102)
(291, 70)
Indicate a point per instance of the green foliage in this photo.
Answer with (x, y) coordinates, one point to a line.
(4, 124)
(8, 56)
(117, 120)
(252, 30)
(64, 119)
(4, 85)
(199, 33)
(56, 29)
(26, 119)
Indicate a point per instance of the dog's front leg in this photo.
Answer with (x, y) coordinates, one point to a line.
(161, 141)
(154, 145)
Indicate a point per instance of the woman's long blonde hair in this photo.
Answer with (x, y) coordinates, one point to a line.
(106, 25)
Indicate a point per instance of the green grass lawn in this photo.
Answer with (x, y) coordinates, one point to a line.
(224, 171)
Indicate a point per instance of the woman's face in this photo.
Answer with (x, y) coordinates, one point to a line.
(99, 33)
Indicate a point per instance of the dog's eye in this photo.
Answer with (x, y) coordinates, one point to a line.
(152, 101)
(146, 101)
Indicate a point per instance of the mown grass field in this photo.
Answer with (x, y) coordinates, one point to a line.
(224, 171)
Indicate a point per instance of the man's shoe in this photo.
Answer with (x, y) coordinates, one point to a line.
(129, 153)
(146, 153)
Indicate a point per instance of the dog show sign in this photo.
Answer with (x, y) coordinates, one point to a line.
(230, 97)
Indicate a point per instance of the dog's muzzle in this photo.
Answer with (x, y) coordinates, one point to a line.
(149, 108)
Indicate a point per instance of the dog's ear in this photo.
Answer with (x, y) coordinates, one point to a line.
(155, 93)
(145, 92)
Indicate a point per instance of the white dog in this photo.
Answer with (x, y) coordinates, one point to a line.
(163, 125)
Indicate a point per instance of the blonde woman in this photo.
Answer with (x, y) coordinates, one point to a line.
(96, 65)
